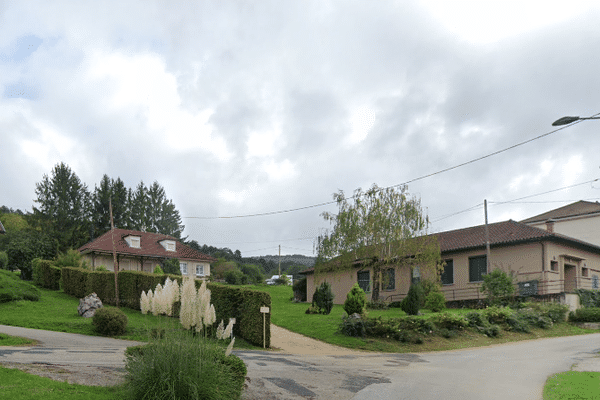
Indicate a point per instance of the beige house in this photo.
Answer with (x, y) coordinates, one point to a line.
(544, 263)
(143, 251)
(580, 220)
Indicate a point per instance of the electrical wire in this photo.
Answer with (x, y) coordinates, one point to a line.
(399, 184)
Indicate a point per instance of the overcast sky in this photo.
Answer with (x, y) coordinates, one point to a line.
(250, 107)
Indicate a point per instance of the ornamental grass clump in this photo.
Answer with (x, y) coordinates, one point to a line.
(184, 366)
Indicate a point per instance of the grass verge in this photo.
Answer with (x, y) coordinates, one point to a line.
(573, 385)
(6, 340)
(290, 315)
(18, 385)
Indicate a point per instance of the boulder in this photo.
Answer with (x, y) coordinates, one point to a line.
(88, 306)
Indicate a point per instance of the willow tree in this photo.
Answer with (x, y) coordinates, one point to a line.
(378, 228)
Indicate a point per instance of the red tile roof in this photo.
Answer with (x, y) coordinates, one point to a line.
(571, 210)
(149, 246)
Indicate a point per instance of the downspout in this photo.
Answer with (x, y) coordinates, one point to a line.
(544, 271)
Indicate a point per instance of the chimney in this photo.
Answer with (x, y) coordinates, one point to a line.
(550, 225)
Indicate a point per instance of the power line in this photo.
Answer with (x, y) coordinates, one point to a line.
(399, 184)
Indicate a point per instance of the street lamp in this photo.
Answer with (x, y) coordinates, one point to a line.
(570, 120)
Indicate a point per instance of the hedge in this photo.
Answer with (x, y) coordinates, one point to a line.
(585, 315)
(230, 302)
(45, 274)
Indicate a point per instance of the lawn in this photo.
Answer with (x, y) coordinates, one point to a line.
(19, 385)
(290, 315)
(573, 385)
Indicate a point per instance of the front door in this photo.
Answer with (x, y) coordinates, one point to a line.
(570, 278)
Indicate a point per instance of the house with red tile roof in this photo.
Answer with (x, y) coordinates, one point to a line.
(143, 251)
(580, 220)
(544, 263)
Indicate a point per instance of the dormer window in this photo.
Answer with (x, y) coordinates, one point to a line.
(133, 241)
(169, 245)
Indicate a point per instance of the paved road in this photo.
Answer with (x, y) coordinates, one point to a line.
(65, 348)
(509, 371)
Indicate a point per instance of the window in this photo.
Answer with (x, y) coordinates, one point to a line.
(169, 245)
(585, 272)
(183, 268)
(389, 279)
(364, 280)
(554, 266)
(199, 270)
(595, 284)
(133, 241)
(448, 274)
(416, 275)
(477, 268)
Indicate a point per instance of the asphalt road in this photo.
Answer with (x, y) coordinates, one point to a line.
(509, 371)
(64, 348)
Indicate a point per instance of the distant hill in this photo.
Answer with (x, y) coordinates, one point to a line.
(295, 259)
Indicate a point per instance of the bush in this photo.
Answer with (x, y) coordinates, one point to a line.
(101, 268)
(555, 311)
(171, 266)
(428, 287)
(158, 270)
(183, 366)
(235, 277)
(475, 319)
(585, 315)
(3, 260)
(12, 288)
(72, 258)
(412, 302)
(498, 286)
(300, 289)
(355, 301)
(377, 305)
(45, 274)
(450, 321)
(435, 301)
(518, 323)
(497, 315)
(109, 321)
(323, 298)
(491, 331)
(589, 298)
(395, 304)
(354, 327)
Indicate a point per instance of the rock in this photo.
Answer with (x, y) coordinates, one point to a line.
(88, 306)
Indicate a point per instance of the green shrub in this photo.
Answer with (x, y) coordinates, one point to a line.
(235, 277)
(448, 333)
(498, 286)
(497, 315)
(476, 318)
(101, 268)
(355, 301)
(12, 288)
(158, 270)
(72, 258)
(353, 327)
(413, 323)
(589, 298)
(585, 315)
(435, 301)
(183, 366)
(450, 321)
(395, 304)
(412, 302)
(323, 298)
(518, 323)
(555, 311)
(300, 289)
(3, 260)
(428, 286)
(377, 305)
(109, 321)
(171, 266)
(45, 274)
(491, 331)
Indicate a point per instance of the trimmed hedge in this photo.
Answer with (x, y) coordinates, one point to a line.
(585, 315)
(230, 302)
(45, 274)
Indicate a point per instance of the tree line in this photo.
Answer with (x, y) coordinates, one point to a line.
(67, 215)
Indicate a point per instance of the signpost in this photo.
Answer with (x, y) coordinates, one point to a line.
(264, 311)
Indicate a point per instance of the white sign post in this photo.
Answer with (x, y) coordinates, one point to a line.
(264, 311)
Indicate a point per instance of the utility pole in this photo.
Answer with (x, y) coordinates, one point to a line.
(115, 263)
(487, 238)
(279, 261)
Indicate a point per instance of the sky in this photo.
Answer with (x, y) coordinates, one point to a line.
(252, 114)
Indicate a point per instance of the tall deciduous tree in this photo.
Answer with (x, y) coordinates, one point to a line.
(63, 207)
(380, 227)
